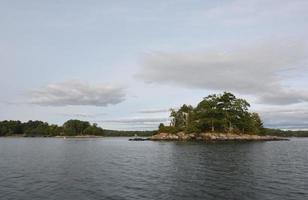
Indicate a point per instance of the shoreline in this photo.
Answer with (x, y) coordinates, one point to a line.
(79, 136)
(57, 136)
(208, 137)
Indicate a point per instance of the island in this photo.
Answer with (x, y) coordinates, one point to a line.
(218, 117)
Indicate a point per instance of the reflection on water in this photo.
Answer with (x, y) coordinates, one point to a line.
(115, 168)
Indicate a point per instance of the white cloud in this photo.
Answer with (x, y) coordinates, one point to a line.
(77, 93)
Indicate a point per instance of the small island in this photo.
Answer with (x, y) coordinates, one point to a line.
(218, 117)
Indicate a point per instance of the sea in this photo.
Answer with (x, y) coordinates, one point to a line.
(119, 169)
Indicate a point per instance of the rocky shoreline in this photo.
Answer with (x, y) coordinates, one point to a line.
(181, 136)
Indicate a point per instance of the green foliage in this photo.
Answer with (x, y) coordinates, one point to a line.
(216, 113)
(39, 128)
(10, 128)
(36, 128)
(284, 133)
(93, 130)
(168, 129)
(75, 127)
(30, 128)
(69, 128)
(181, 119)
(113, 133)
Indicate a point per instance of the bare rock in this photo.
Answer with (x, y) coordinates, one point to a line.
(214, 137)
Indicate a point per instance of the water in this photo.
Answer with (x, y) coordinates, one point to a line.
(115, 168)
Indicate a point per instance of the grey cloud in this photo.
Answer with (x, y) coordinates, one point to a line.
(151, 111)
(252, 69)
(138, 120)
(10, 103)
(77, 93)
(242, 12)
(284, 97)
(141, 128)
(286, 117)
(131, 127)
(82, 115)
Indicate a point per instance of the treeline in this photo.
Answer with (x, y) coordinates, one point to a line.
(285, 133)
(69, 128)
(215, 113)
(39, 128)
(111, 133)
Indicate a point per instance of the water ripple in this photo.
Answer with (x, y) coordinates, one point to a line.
(114, 168)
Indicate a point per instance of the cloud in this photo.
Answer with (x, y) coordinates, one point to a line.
(77, 93)
(291, 117)
(82, 115)
(256, 12)
(10, 103)
(151, 111)
(254, 69)
(133, 123)
(284, 97)
(139, 120)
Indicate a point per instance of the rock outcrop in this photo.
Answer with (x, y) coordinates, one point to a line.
(214, 137)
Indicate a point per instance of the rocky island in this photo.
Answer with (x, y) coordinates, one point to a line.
(221, 117)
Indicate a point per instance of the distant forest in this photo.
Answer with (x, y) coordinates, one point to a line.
(69, 128)
(285, 133)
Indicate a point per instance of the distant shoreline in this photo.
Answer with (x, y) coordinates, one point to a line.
(170, 137)
(64, 136)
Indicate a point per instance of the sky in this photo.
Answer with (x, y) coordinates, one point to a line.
(124, 64)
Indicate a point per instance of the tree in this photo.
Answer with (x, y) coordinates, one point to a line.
(93, 130)
(208, 113)
(39, 128)
(222, 112)
(75, 127)
(181, 117)
(233, 109)
(10, 128)
(161, 127)
(257, 124)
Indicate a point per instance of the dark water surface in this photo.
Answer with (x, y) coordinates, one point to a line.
(115, 168)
